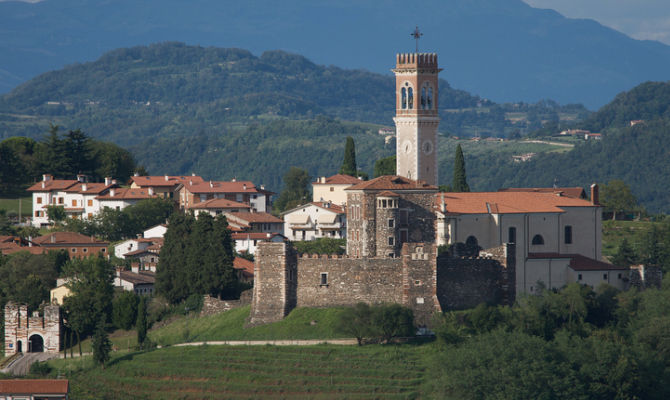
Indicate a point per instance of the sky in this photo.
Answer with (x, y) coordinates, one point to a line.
(640, 19)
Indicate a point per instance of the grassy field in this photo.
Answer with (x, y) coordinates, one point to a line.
(232, 372)
(301, 323)
(12, 206)
(615, 231)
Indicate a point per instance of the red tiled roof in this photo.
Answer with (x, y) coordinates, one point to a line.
(339, 179)
(507, 202)
(245, 265)
(67, 238)
(255, 217)
(34, 386)
(329, 206)
(127, 194)
(52, 184)
(160, 181)
(219, 203)
(141, 278)
(253, 235)
(392, 182)
(222, 187)
(579, 262)
(576, 192)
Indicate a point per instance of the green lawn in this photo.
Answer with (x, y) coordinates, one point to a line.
(12, 206)
(615, 231)
(301, 323)
(231, 372)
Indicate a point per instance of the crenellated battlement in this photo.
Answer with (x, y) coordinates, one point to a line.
(416, 60)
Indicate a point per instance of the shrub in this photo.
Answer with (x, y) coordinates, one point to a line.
(40, 369)
(124, 310)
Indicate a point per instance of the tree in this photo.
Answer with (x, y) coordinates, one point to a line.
(459, 183)
(296, 189)
(91, 294)
(56, 214)
(349, 162)
(171, 276)
(616, 197)
(101, 344)
(148, 212)
(392, 320)
(356, 321)
(51, 153)
(78, 152)
(385, 166)
(27, 278)
(141, 323)
(124, 310)
(625, 255)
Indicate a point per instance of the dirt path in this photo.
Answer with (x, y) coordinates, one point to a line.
(21, 365)
(309, 342)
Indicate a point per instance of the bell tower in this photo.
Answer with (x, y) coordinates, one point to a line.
(416, 117)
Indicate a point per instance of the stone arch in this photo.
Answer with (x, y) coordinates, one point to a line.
(537, 240)
(36, 343)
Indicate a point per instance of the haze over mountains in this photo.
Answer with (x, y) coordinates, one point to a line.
(503, 50)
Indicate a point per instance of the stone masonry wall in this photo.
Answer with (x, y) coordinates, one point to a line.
(466, 282)
(212, 305)
(420, 281)
(20, 327)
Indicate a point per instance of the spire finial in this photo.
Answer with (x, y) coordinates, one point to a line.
(417, 35)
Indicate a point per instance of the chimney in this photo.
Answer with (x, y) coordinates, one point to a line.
(81, 178)
(443, 207)
(234, 179)
(595, 195)
(211, 184)
(136, 173)
(190, 182)
(151, 191)
(53, 238)
(262, 187)
(192, 173)
(135, 267)
(167, 178)
(113, 181)
(322, 179)
(139, 236)
(84, 187)
(112, 192)
(360, 178)
(47, 177)
(43, 184)
(108, 180)
(244, 186)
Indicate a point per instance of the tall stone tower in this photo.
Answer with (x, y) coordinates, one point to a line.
(416, 117)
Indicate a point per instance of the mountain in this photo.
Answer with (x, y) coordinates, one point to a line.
(503, 50)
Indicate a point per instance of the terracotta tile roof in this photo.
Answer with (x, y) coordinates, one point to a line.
(219, 203)
(507, 202)
(392, 182)
(329, 206)
(576, 192)
(52, 184)
(339, 179)
(6, 239)
(388, 193)
(160, 181)
(255, 217)
(245, 265)
(579, 262)
(93, 188)
(139, 252)
(34, 386)
(222, 187)
(141, 278)
(127, 194)
(67, 238)
(253, 235)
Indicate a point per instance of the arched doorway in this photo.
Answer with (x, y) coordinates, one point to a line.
(36, 344)
(19, 347)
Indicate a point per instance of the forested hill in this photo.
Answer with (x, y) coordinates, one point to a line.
(637, 154)
(228, 82)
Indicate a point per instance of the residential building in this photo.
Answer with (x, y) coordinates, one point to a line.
(247, 242)
(215, 207)
(246, 192)
(157, 231)
(315, 220)
(166, 187)
(244, 270)
(331, 189)
(138, 281)
(77, 245)
(120, 198)
(255, 222)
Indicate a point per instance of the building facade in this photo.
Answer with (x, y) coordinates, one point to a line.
(32, 334)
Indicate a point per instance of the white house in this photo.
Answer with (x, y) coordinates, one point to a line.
(217, 206)
(247, 242)
(157, 231)
(255, 222)
(120, 198)
(331, 189)
(194, 192)
(557, 237)
(315, 220)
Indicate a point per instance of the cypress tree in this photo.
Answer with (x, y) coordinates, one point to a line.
(460, 183)
(141, 323)
(349, 162)
(101, 344)
(172, 276)
(625, 255)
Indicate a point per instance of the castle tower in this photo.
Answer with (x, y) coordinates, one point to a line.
(416, 117)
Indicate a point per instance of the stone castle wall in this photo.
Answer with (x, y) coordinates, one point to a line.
(466, 282)
(19, 328)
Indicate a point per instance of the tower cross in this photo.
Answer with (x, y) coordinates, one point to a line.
(417, 35)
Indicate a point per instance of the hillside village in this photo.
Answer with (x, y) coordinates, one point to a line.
(403, 241)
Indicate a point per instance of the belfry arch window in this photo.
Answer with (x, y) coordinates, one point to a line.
(423, 98)
(537, 240)
(429, 99)
(410, 98)
(403, 97)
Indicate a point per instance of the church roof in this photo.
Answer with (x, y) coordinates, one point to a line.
(579, 262)
(392, 182)
(507, 202)
(576, 192)
(339, 179)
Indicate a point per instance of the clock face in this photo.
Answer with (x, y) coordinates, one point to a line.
(407, 146)
(427, 147)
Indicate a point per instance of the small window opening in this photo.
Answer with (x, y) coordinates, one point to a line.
(538, 240)
(324, 279)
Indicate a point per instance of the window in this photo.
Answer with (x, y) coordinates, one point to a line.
(332, 189)
(568, 234)
(403, 96)
(90, 202)
(391, 223)
(429, 100)
(61, 200)
(538, 240)
(619, 276)
(403, 235)
(324, 279)
(423, 98)
(74, 203)
(391, 241)
(103, 250)
(74, 250)
(39, 200)
(579, 277)
(511, 235)
(37, 213)
(410, 98)
(604, 277)
(85, 250)
(390, 255)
